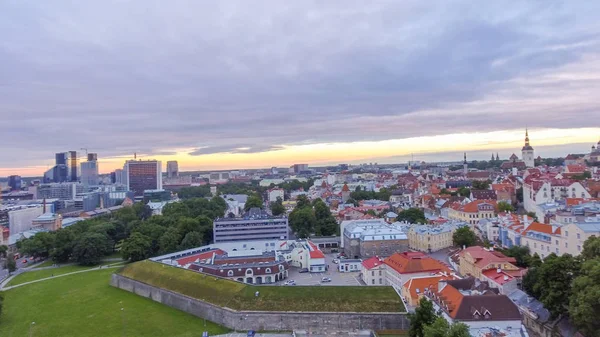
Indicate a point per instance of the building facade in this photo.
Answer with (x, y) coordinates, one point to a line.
(172, 169)
(255, 224)
(475, 260)
(527, 152)
(143, 175)
(375, 237)
(426, 238)
(373, 272)
(89, 173)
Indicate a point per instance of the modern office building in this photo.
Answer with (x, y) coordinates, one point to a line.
(172, 169)
(156, 196)
(73, 176)
(256, 224)
(14, 182)
(143, 175)
(62, 191)
(89, 170)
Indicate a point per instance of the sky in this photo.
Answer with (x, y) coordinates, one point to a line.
(245, 84)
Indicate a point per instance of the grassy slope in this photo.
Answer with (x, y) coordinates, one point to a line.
(40, 274)
(85, 305)
(239, 296)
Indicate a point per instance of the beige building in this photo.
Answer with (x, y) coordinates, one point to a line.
(475, 260)
(572, 236)
(372, 271)
(426, 238)
(473, 211)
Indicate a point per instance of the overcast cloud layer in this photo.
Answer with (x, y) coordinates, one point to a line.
(252, 76)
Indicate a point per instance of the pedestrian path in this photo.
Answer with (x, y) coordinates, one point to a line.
(6, 281)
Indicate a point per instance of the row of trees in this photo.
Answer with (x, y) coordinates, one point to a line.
(568, 285)
(252, 188)
(462, 192)
(134, 230)
(384, 194)
(312, 218)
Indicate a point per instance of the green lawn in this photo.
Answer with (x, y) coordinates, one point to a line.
(242, 297)
(85, 305)
(40, 274)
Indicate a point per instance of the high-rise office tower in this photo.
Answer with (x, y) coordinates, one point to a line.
(89, 170)
(73, 176)
(172, 169)
(14, 182)
(143, 175)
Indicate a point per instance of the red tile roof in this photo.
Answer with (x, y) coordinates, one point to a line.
(500, 278)
(202, 256)
(539, 227)
(372, 262)
(415, 262)
(484, 257)
(315, 252)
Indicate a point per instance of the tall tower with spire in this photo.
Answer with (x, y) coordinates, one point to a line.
(527, 152)
(465, 165)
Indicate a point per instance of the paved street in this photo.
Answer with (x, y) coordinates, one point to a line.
(337, 278)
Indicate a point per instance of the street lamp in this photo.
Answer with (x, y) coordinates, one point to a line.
(31, 328)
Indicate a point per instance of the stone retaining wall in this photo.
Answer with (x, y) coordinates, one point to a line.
(264, 320)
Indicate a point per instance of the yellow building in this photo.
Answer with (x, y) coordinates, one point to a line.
(426, 238)
(473, 211)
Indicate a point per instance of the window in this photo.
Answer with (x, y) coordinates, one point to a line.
(380, 273)
(566, 245)
(566, 233)
(268, 270)
(578, 248)
(230, 273)
(556, 251)
(380, 281)
(373, 281)
(578, 235)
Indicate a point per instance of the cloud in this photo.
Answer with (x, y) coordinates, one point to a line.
(122, 77)
(233, 149)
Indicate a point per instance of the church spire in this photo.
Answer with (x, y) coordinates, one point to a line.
(465, 161)
(526, 137)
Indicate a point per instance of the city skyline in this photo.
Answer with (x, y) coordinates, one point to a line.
(235, 85)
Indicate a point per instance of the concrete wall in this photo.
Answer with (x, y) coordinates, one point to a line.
(264, 320)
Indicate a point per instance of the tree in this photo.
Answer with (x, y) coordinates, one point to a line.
(252, 202)
(444, 191)
(464, 192)
(441, 328)
(464, 236)
(412, 215)
(481, 185)
(169, 241)
(142, 210)
(191, 240)
(277, 207)
(584, 304)
(521, 255)
(591, 248)
(63, 245)
(423, 316)
(302, 221)
(90, 248)
(10, 263)
(352, 201)
(504, 206)
(554, 279)
(136, 248)
(302, 201)
(3, 250)
(175, 210)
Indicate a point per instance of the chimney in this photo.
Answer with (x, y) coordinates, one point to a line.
(505, 277)
(499, 270)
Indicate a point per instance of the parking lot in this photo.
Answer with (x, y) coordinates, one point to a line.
(337, 278)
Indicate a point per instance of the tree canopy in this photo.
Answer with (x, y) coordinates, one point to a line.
(423, 316)
(277, 207)
(412, 215)
(253, 201)
(464, 236)
(504, 206)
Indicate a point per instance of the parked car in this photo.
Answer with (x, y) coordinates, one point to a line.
(325, 279)
(251, 333)
(289, 283)
(303, 270)
(336, 261)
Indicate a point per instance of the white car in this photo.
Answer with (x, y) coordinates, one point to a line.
(289, 283)
(325, 279)
(336, 261)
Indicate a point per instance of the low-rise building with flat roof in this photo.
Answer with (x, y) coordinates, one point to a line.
(256, 224)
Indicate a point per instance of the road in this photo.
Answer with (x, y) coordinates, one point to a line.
(20, 267)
